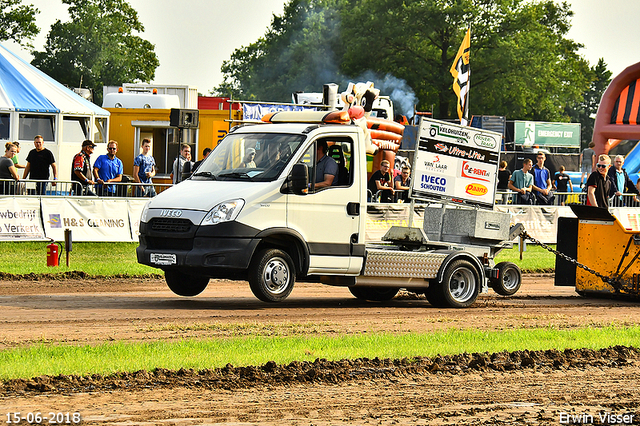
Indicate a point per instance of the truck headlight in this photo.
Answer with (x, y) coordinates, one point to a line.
(223, 212)
(145, 212)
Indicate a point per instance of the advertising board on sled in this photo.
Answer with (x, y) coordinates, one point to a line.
(455, 163)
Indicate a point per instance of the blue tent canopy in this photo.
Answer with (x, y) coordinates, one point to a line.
(20, 91)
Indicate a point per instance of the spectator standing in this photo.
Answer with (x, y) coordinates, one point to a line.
(503, 176)
(381, 180)
(561, 182)
(178, 163)
(144, 168)
(402, 183)
(622, 183)
(81, 169)
(521, 181)
(326, 167)
(205, 154)
(8, 170)
(542, 182)
(599, 185)
(587, 162)
(16, 162)
(38, 162)
(108, 168)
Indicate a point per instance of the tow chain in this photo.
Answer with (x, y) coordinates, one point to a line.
(614, 282)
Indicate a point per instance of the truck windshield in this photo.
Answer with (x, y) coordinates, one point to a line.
(259, 157)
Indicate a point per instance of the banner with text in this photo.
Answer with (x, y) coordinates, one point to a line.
(257, 111)
(455, 163)
(88, 219)
(530, 133)
(135, 212)
(20, 219)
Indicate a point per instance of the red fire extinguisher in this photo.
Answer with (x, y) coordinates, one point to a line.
(53, 256)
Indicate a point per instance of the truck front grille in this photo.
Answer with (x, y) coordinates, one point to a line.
(170, 225)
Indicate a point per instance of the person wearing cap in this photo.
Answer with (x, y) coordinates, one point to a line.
(249, 159)
(81, 169)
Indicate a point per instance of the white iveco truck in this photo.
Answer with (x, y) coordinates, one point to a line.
(251, 211)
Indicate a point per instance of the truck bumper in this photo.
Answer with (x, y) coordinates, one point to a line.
(221, 251)
(215, 257)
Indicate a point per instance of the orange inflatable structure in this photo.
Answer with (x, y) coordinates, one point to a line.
(619, 113)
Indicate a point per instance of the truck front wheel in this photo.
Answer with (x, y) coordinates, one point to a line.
(272, 275)
(376, 294)
(458, 289)
(185, 284)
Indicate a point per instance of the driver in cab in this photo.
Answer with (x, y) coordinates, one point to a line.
(326, 167)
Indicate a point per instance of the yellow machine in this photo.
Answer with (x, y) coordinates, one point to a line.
(603, 249)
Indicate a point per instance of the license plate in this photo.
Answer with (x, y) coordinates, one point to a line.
(163, 258)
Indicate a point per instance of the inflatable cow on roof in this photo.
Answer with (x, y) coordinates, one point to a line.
(382, 136)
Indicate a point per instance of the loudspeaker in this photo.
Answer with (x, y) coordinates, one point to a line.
(184, 118)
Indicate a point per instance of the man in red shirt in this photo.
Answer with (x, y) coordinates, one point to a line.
(81, 170)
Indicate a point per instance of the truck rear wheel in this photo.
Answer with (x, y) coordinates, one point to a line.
(184, 284)
(509, 279)
(376, 294)
(272, 275)
(458, 289)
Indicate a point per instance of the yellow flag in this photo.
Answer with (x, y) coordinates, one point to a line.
(461, 72)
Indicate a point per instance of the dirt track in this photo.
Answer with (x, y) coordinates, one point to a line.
(521, 388)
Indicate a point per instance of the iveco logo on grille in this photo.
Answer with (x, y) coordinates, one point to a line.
(170, 213)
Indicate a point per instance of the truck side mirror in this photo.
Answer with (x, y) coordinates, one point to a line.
(186, 170)
(299, 179)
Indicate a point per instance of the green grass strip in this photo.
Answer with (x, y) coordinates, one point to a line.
(201, 354)
(108, 259)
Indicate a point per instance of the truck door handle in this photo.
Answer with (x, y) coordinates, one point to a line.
(353, 209)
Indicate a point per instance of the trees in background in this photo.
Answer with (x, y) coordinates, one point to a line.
(300, 52)
(584, 112)
(522, 64)
(18, 22)
(97, 47)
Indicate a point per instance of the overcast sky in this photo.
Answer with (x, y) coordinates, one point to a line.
(193, 37)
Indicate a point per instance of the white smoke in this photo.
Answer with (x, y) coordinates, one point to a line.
(403, 97)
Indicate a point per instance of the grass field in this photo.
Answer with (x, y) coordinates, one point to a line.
(109, 259)
(201, 354)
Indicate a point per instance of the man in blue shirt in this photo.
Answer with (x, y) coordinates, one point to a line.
(108, 168)
(144, 168)
(542, 182)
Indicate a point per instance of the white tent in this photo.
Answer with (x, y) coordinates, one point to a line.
(32, 103)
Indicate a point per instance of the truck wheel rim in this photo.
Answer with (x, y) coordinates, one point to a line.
(509, 279)
(276, 275)
(462, 285)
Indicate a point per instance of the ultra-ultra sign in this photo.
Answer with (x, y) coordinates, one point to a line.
(455, 163)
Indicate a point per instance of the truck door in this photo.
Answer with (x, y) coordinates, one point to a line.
(329, 217)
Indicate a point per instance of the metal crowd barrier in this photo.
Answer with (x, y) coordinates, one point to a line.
(566, 198)
(66, 188)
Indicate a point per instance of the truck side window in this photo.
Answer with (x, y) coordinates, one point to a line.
(338, 163)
